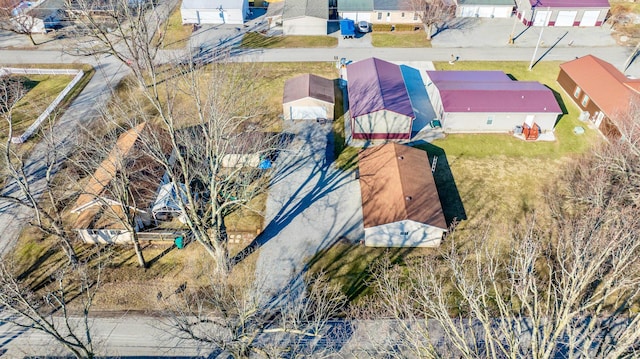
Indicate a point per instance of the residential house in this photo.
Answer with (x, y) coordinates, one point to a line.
(308, 97)
(562, 12)
(490, 101)
(400, 203)
(601, 91)
(484, 8)
(305, 17)
(379, 104)
(101, 214)
(214, 11)
(356, 10)
(31, 17)
(395, 12)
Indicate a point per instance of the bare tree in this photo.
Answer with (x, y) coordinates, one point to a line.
(565, 286)
(20, 188)
(50, 313)
(15, 17)
(433, 13)
(229, 318)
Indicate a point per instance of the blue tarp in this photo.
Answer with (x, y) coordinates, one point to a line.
(347, 27)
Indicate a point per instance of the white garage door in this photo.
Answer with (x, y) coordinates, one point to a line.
(542, 18)
(565, 18)
(469, 11)
(357, 16)
(589, 18)
(350, 15)
(307, 112)
(485, 11)
(209, 17)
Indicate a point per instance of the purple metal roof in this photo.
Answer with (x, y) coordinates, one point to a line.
(476, 95)
(375, 85)
(540, 4)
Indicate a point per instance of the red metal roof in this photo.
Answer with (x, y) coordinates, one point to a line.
(491, 91)
(376, 85)
(606, 86)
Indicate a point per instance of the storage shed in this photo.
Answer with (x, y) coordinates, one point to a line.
(562, 12)
(308, 97)
(485, 8)
(305, 17)
(400, 203)
(490, 101)
(214, 11)
(379, 104)
(601, 91)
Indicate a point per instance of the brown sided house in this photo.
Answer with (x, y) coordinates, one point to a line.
(100, 210)
(602, 92)
(308, 97)
(400, 203)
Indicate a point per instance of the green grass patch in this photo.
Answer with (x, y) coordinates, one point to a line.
(400, 39)
(254, 40)
(176, 35)
(351, 265)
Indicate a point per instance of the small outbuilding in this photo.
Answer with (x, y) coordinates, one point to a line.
(308, 97)
(562, 12)
(305, 17)
(490, 101)
(214, 11)
(379, 104)
(484, 8)
(601, 91)
(400, 202)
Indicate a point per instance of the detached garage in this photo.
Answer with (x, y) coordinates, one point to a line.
(214, 11)
(490, 101)
(484, 8)
(305, 17)
(379, 103)
(400, 203)
(308, 97)
(562, 12)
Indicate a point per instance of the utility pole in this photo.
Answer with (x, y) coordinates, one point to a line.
(546, 21)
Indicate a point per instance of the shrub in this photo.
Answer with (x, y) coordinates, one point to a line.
(408, 27)
(381, 27)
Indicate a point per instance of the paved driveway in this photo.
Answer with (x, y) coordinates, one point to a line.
(311, 204)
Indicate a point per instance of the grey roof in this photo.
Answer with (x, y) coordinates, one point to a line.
(392, 5)
(308, 85)
(300, 8)
(355, 5)
(486, 2)
(212, 4)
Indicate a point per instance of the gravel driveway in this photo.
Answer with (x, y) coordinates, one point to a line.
(310, 205)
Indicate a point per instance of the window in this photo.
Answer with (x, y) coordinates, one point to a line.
(379, 16)
(404, 233)
(490, 120)
(576, 93)
(402, 15)
(585, 100)
(415, 16)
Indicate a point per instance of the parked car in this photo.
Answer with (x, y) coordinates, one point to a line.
(363, 26)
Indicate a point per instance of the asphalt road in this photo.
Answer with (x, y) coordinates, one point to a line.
(303, 205)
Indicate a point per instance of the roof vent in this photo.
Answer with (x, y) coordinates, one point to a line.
(523, 97)
(401, 157)
(545, 108)
(408, 198)
(468, 108)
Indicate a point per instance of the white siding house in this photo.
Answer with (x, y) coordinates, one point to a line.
(214, 11)
(305, 17)
(485, 8)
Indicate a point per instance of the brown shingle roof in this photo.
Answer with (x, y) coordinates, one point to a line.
(396, 184)
(606, 86)
(108, 168)
(308, 85)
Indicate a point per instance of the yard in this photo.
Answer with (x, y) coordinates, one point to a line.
(409, 39)
(176, 35)
(253, 40)
(491, 183)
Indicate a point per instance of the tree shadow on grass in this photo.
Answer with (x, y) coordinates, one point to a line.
(450, 200)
